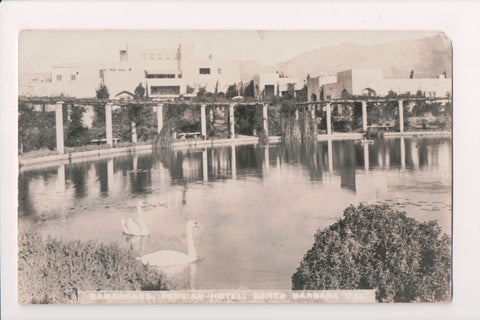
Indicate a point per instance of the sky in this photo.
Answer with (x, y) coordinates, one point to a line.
(39, 49)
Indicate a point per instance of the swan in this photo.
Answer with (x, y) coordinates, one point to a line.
(135, 226)
(165, 258)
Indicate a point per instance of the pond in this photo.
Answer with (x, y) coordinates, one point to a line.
(258, 206)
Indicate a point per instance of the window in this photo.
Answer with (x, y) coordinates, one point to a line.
(165, 90)
(204, 70)
(219, 71)
(59, 77)
(123, 55)
(73, 77)
(160, 76)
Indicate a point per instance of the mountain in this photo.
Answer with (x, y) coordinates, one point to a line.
(428, 57)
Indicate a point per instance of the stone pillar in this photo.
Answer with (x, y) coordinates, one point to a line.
(400, 115)
(265, 119)
(59, 126)
(108, 123)
(203, 121)
(231, 114)
(364, 116)
(296, 114)
(134, 132)
(159, 117)
(329, 118)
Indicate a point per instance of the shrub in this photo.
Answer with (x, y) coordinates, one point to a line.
(377, 247)
(36, 130)
(53, 271)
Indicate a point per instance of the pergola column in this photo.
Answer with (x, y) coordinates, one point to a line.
(364, 116)
(159, 117)
(400, 115)
(203, 121)
(59, 126)
(231, 114)
(265, 119)
(329, 118)
(108, 123)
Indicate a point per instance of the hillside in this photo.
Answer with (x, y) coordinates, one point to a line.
(428, 57)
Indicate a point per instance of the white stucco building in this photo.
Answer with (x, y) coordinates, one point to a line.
(163, 72)
(271, 84)
(315, 85)
(370, 82)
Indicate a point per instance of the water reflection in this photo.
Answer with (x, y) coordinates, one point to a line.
(237, 162)
(213, 164)
(78, 174)
(276, 195)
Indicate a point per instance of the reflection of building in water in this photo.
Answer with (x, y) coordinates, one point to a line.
(348, 175)
(220, 163)
(234, 161)
(341, 157)
(61, 178)
(444, 161)
(191, 166)
(77, 173)
(205, 165)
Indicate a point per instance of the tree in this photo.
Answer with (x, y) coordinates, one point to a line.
(201, 92)
(346, 94)
(140, 91)
(392, 94)
(250, 90)
(102, 92)
(378, 247)
(232, 91)
(77, 134)
(302, 94)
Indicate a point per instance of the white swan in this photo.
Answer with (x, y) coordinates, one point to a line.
(164, 258)
(135, 226)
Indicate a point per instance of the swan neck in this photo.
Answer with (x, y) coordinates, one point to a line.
(190, 246)
(140, 212)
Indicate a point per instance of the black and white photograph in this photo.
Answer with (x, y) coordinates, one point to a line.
(241, 161)
(234, 166)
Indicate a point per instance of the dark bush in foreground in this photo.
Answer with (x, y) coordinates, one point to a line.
(52, 271)
(377, 247)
